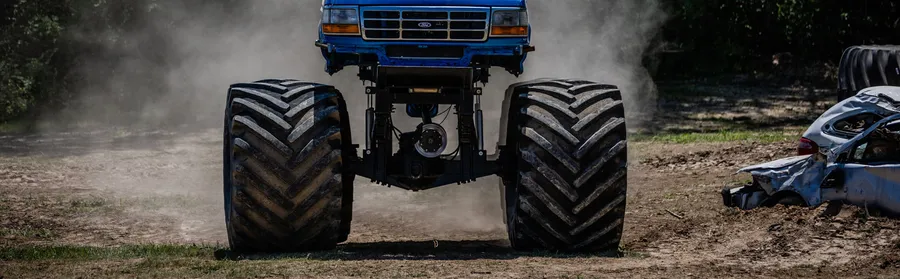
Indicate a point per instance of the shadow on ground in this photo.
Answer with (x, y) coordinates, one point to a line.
(412, 250)
(701, 107)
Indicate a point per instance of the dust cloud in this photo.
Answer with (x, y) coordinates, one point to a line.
(176, 64)
(601, 41)
(197, 50)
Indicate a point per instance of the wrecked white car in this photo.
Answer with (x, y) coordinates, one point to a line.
(864, 171)
(850, 117)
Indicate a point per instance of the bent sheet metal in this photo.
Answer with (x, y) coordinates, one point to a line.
(864, 171)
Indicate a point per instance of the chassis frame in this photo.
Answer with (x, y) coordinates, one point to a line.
(406, 168)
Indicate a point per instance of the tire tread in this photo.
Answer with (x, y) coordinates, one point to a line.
(285, 198)
(867, 66)
(568, 191)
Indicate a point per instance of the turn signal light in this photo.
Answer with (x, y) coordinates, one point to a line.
(345, 29)
(509, 31)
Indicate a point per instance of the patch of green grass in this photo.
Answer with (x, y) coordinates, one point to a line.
(27, 232)
(178, 261)
(149, 261)
(723, 136)
(144, 261)
(104, 253)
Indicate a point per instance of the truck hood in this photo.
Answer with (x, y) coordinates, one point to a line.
(483, 3)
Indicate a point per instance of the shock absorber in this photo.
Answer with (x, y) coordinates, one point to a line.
(370, 118)
(479, 120)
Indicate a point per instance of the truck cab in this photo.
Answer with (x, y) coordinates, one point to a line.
(475, 34)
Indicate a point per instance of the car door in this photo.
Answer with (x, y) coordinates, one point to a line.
(866, 171)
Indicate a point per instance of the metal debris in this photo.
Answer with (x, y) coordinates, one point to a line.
(864, 171)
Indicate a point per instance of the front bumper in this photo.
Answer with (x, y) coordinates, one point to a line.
(744, 197)
(341, 51)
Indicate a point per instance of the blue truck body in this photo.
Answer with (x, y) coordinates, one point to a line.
(484, 51)
(481, 3)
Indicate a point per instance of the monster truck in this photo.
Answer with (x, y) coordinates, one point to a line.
(289, 163)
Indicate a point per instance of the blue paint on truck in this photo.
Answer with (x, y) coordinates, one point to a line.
(393, 34)
(482, 3)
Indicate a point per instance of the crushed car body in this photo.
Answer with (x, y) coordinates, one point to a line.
(864, 171)
(850, 117)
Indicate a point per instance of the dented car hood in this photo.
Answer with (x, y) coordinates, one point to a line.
(800, 174)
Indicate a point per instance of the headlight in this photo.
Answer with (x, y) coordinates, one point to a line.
(340, 21)
(506, 23)
(340, 16)
(511, 18)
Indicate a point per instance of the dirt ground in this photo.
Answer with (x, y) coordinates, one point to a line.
(110, 189)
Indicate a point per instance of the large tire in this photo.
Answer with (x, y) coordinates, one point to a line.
(567, 190)
(287, 149)
(867, 66)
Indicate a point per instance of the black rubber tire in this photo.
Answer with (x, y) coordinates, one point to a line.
(862, 67)
(287, 151)
(567, 191)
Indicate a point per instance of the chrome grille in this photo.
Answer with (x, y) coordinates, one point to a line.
(424, 25)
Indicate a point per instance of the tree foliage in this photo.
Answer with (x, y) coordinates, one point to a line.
(730, 34)
(29, 37)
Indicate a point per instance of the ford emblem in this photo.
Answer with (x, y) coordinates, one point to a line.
(424, 24)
